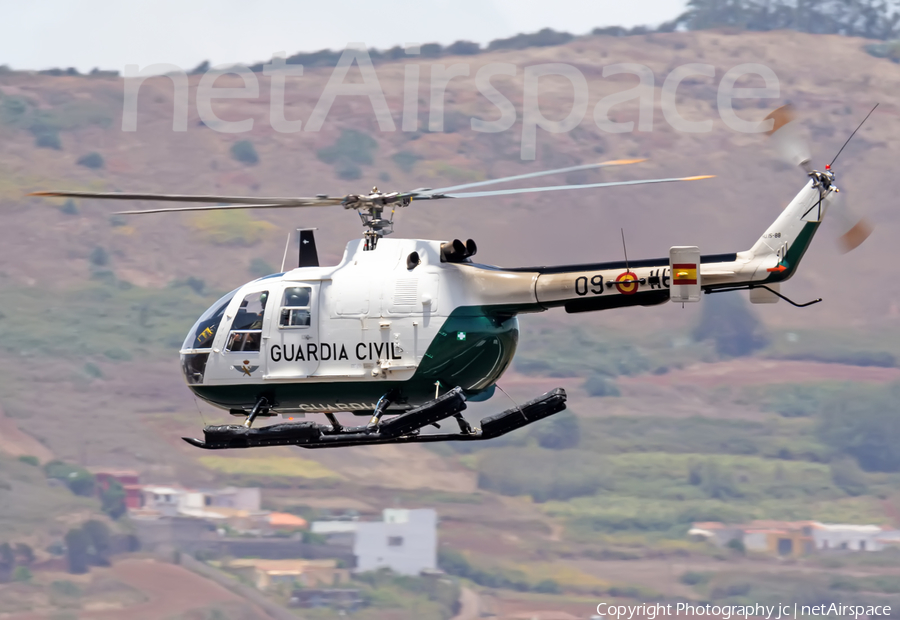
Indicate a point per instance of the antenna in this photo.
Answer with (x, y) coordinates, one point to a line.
(851, 136)
(287, 244)
(625, 250)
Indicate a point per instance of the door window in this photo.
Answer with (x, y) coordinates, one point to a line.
(246, 330)
(295, 307)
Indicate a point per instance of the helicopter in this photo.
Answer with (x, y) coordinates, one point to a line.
(406, 331)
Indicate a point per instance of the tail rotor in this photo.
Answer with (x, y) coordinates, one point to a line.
(792, 147)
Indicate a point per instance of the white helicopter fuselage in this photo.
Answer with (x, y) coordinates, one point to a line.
(398, 317)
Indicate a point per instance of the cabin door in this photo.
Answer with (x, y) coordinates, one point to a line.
(293, 335)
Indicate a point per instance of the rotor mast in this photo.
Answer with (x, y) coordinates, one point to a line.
(371, 213)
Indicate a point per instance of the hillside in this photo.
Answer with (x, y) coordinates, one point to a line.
(663, 429)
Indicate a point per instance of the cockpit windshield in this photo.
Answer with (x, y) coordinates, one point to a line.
(204, 330)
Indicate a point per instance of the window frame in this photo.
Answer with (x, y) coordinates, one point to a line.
(244, 333)
(307, 308)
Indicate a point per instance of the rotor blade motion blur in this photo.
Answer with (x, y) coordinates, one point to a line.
(318, 201)
(556, 188)
(532, 175)
(854, 229)
(787, 139)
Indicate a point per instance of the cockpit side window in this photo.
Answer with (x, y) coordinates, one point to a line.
(295, 307)
(246, 330)
(203, 332)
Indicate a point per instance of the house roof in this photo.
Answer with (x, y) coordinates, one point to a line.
(287, 520)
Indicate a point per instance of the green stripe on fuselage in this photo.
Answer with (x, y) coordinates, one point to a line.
(472, 350)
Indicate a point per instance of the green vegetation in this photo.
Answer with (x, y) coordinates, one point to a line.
(259, 267)
(94, 319)
(79, 480)
(230, 228)
(889, 50)
(87, 546)
(426, 598)
(735, 331)
(112, 500)
(352, 147)
(244, 152)
(45, 124)
(864, 422)
(455, 563)
(276, 466)
(870, 19)
(405, 160)
(543, 474)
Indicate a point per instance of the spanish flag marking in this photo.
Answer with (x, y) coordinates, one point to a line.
(627, 283)
(684, 273)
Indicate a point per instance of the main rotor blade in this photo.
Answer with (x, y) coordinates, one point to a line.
(531, 175)
(318, 201)
(556, 188)
(274, 205)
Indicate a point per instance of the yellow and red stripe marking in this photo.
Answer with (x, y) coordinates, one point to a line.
(684, 273)
(627, 283)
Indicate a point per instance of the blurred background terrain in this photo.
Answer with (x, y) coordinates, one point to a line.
(765, 419)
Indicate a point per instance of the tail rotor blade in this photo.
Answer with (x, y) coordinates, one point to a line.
(788, 139)
(853, 228)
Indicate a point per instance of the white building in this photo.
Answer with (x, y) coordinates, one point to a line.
(405, 541)
(829, 536)
(173, 501)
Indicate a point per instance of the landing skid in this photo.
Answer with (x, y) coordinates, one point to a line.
(404, 428)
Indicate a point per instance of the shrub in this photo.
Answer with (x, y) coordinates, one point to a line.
(542, 38)
(347, 170)
(463, 48)
(97, 534)
(847, 475)
(890, 50)
(21, 574)
(694, 578)
(405, 160)
(69, 207)
(244, 152)
(94, 161)
(48, 140)
(79, 480)
(30, 460)
(864, 422)
(113, 500)
(727, 320)
(352, 146)
(77, 548)
(99, 257)
(560, 432)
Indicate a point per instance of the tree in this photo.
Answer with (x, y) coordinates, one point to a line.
(112, 499)
(872, 19)
(728, 321)
(97, 534)
(77, 547)
(244, 152)
(864, 422)
(79, 480)
(560, 432)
